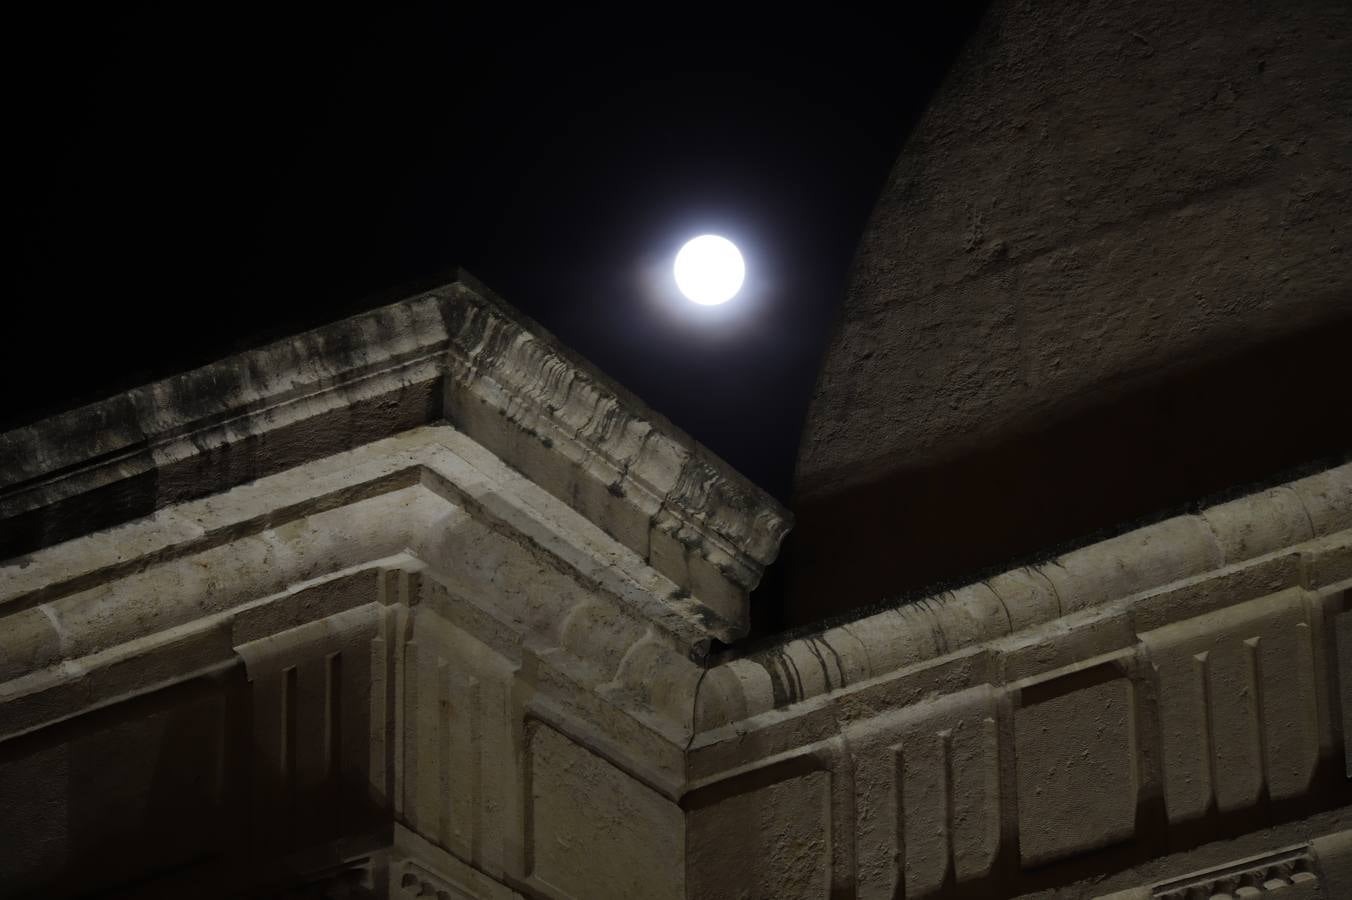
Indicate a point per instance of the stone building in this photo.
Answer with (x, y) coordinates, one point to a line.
(419, 604)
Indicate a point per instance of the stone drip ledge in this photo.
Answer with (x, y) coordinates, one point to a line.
(1296, 533)
(455, 353)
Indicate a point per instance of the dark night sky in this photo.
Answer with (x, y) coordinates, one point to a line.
(187, 185)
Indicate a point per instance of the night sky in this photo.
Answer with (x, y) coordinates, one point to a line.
(185, 186)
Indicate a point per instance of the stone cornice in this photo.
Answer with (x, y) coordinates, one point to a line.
(456, 353)
(1296, 534)
(205, 576)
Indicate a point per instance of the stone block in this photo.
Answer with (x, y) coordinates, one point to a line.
(595, 832)
(1075, 746)
(1259, 523)
(1028, 596)
(1238, 706)
(766, 833)
(1136, 561)
(927, 796)
(1327, 561)
(1327, 497)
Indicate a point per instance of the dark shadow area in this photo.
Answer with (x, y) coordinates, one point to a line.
(1260, 417)
(173, 793)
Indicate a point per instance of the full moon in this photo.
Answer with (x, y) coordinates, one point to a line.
(709, 270)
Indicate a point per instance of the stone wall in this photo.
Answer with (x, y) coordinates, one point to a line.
(1073, 727)
(1108, 276)
(443, 663)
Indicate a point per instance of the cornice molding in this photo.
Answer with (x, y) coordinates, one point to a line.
(456, 353)
(1295, 534)
(277, 554)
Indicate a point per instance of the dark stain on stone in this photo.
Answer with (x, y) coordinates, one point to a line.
(811, 644)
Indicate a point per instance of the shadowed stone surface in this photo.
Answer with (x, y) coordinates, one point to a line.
(1109, 273)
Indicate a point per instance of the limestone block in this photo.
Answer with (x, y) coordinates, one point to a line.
(1327, 561)
(1066, 642)
(1028, 597)
(895, 638)
(30, 640)
(1215, 590)
(221, 578)
(655, 669)
(843, 651)
(456, 740)
(681, 554)
(595, 832)
(310, 729)
(729, 692)
(1327, 497)
(1075, 740)
(459, 763)
(1136, 561)
(1259, 523)
(144, 786)
(598, 633)
(765, 834)
(927, 796)
(1333, 860)
(801, 669)
(1238, 706)
(966, 616)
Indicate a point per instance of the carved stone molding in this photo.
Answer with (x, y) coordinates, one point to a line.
(1297, 533)
(457, 354)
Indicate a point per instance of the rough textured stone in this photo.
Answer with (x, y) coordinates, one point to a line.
(412, 631)
(457, 353)
(426, 667)
(596, 831)
(1077, 763)
(1107, 275)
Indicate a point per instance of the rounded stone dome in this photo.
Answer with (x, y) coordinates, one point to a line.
(1109, 274)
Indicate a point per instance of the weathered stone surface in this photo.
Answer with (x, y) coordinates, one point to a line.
(412, 669)
(1189, 699)
(1076, 745)
(1160, 574)
(457, 353)
(766, 840)
(1097, 194)
(1107, 275)
(594, 831)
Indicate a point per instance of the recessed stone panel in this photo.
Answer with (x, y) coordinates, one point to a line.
(768, 834)
(1238, 707)
(1075, 744)
(595, 832)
